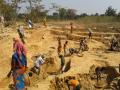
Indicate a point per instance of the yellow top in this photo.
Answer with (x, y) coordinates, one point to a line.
(73, 82)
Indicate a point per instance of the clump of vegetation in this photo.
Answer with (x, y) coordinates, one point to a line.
(10, 9)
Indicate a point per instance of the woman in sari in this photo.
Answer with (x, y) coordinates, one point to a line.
(18, 64)
(18, 67)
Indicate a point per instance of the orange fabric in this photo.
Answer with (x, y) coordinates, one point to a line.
(73, 82)
(21, 71)
(27, 80)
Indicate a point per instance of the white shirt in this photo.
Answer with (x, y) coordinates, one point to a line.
(21, 30)
(30, 22)
(90, 30)
(39, 61)
(2, 19)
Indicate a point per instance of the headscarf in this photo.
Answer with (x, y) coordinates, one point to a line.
(19, 47)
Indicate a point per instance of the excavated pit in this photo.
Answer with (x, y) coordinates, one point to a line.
(88, 81)
(44, 41)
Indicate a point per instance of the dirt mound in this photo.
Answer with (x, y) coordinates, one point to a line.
(108, 81)
(84, 79)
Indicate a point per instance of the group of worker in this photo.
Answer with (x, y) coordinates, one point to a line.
(68, 51)
(60, 54)
(90, 32)
(19, 58)
(64, 48)
(19, 61)
(19, 64)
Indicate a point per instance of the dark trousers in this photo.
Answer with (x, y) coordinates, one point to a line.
(77, 87)
(22, 38)
(35, 70)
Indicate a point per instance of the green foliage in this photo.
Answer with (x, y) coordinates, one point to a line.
(83, 15)
(97, 19)
(35, 14)
(33, 4)
(62, 13)
(118, 14)
(2, 2)
(55, 15)
(110, 11)
(67, 13)
(36, 10)
(6, 10)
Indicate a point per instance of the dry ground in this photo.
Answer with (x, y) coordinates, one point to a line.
(36, 44)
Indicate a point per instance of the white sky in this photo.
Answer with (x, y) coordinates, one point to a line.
(84, 6)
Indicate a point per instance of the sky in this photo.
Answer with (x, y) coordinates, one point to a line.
(85, 6)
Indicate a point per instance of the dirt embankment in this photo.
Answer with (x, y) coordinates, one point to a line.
(42, 41)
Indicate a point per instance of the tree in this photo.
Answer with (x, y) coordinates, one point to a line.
(56, 15)
(83, 15)
(110, 11)
(118, 14)
(11, 8)
(62, 13)
(14, 6)
(36, 9)
(55, 7)
(2, 4)
(6, 10)
(96, 14)
(71, 13)
(33, 4)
